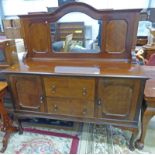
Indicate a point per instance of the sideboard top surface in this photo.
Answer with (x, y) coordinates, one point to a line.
(77, 68)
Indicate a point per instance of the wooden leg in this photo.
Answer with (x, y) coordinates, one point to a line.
(146, 118)
(7, 126)
(5, 141)
(133, 139)
(20, 127)
(8, 129)
(19, 124)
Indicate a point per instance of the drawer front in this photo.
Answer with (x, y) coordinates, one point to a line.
(70, 87)
(70, 107)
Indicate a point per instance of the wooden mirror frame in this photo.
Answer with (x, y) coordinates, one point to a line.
(41, 28)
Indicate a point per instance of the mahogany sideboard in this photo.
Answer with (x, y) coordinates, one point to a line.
(95, 84)
(113, 94)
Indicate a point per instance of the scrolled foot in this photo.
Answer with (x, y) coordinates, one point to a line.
(133, 140)
(3, 149)
(139, 145)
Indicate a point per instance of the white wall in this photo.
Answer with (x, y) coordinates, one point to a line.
(16, 7)
(117, 4)
(153, 4)
(1, 16)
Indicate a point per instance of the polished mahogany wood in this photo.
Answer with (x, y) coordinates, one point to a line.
(123, 92)
(71, 107)
(82, 88)
(118, 32)
(85, 87)
(26, 96)
(104, 67)
(89, 95)
(7, 124)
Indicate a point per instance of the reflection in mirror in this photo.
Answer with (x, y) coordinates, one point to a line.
(2, 57)
(74, 35)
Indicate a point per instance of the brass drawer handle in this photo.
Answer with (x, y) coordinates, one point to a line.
(84, 111)
(53, 88)
(55, 108)
(99, 101)
(84, 91)
(41, 99)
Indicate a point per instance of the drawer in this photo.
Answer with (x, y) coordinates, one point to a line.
(70, 107)
(70, 87)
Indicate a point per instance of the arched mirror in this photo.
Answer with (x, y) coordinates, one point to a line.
(71, 34)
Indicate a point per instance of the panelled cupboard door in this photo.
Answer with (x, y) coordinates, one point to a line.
(27, 92)
(118, 98)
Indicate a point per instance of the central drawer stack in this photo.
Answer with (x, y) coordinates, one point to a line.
(70, 96)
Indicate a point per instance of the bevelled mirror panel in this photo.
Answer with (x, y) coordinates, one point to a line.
(75, 32)
(116, 32)
(2, 56)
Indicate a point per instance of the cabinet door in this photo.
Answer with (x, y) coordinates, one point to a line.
(118, 98)
(27, 92)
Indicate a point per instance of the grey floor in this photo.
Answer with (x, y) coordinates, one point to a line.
(150, 137)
